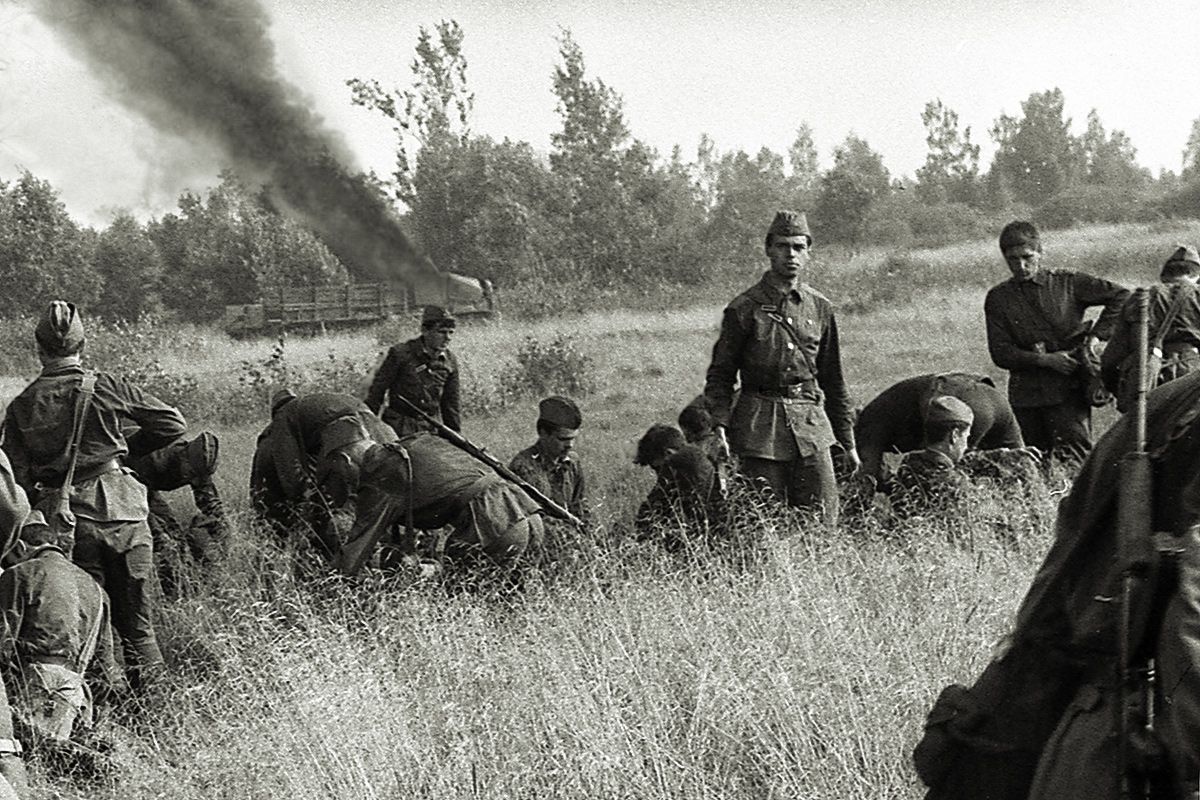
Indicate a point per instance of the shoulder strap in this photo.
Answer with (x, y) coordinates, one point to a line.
(1172, 313)
(773, 313)
(87, 390)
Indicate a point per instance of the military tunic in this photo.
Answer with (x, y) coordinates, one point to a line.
(1181, 344)
(793, 403)
(440, 485)
(927, 483)
(291, 455)
(430, 381)
(55, 630)
(561, 480)
(685, 506)
(112, 537)
(1026, 319)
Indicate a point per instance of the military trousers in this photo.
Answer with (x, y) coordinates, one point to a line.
(806, 482)
(120, 557)
(501, 521)
(1062, 432)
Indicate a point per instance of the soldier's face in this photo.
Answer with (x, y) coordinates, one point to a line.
(558, 442)
(959, 440)
(437, 339)
(789, 255)
(1023, 261)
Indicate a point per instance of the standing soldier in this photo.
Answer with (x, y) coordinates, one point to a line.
(1174, 327)
(112, 537)
(1036, 330)
(548, 464)
(781, 337)
(425, 372)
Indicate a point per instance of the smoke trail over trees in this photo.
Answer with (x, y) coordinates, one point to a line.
(205, 70)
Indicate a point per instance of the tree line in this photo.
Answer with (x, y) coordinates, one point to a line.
(600, 210)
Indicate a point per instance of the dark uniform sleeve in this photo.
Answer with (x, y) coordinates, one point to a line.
(14, 506)
(833, 384)
(722, 373)
(578, 504)
(385, 376)
(1119, 346)
(1005, 352)
(158, 423)
(1092, 291)
(451, 403)
(17, 465)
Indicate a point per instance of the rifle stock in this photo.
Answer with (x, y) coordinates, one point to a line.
(462, 443)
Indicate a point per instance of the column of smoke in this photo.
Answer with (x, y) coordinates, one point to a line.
(205, 70)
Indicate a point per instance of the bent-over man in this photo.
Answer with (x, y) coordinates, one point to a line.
(686, 506)
(779, 339)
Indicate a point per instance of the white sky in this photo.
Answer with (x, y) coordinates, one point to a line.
(746, 73)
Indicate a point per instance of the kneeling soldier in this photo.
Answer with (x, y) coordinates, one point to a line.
(685, 502)
(928, 481)
(548, 465)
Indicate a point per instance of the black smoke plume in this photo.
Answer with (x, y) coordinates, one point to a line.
(205, 69)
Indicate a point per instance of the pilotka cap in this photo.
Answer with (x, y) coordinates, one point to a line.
(60, 330)
(1185, 254)
(789, 223)
(560, 412)
(947, 410)
(437, 317)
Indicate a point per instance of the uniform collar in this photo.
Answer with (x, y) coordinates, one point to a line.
(769, 289)
(62, 364)
(540, 455)
(1038, 278)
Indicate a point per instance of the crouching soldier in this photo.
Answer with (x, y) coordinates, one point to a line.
(928, 481)
(548, 465)
(424, 482)
(14, 509)
(685, 506)
(54, 637)
(184, 462)
(298, 477)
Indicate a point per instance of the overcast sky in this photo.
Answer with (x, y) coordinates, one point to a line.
(747, 73)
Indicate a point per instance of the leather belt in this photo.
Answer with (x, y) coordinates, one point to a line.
(86, 474)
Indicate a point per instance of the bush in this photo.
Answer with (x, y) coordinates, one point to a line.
(555, 368)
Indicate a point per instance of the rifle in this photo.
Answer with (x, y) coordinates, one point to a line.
(1137, 556)
(455, 438)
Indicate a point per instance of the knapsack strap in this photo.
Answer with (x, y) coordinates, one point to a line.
(87, 390)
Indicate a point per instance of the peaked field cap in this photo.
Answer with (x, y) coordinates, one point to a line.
(1185, 254)
(60, 330)
(281, 399)
(561, 412)
(437, 317)
(789, 223)
(947, 410)
(1018, 233)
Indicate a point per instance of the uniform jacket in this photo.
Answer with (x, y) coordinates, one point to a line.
(895, 420)
(51, 610)
(290, 448)
(1181, 342)
(430, 382)
(685, 494)
(14, 506)
(926, 482)
(793, 398)
(1045, 313)
(562, 480)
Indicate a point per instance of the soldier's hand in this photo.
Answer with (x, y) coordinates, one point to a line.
(723, 442)
(852, 461)
(1061, 363)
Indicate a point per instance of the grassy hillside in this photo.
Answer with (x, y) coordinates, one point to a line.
(803, 672)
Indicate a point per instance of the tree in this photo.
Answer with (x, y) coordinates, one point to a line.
(1110, 160)
(1191, 153)
(131, 267)
(749, 192)
(805, 175)
(857, 179)
(951, 170)
(1036, 155)
(44, 255)
(431, 115)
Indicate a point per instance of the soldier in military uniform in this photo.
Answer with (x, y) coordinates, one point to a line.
(1180, 343)
(302, 473)
(424, 372)
(1036, 330)
(685, 506)
(928, 481)
(780, 338)
(424, 482)
(549, 465)
(56, 647)
(112, 538)
(14, 510)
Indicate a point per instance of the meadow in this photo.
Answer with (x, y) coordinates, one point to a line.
(801, 668)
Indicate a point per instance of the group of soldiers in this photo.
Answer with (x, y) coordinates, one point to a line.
(390, 480)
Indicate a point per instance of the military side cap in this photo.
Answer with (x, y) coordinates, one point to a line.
(60, 330)
(947, 410)
(1185, 254)
(789, 223)
(281, 399)
(560, 412)
(437, 317)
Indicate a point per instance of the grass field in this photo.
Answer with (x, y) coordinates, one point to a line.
(805, 673)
